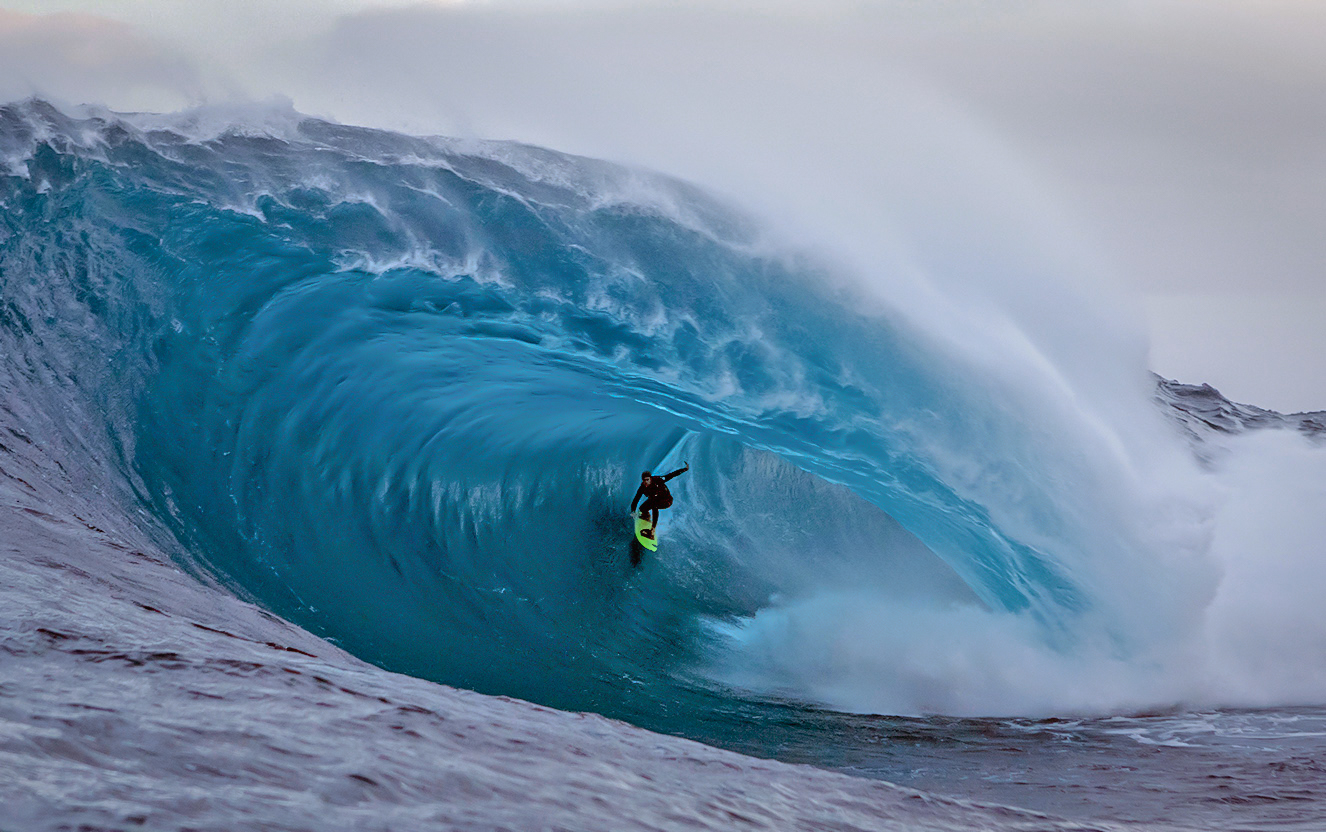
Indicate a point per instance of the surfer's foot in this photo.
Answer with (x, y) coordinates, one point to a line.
(649, 533)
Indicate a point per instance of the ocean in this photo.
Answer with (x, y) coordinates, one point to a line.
(318, 443)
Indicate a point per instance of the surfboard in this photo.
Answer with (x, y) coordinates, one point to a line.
(640, 525)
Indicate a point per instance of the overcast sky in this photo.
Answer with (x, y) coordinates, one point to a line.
(1174, 148)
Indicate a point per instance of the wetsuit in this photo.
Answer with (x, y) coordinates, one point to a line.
(656, 495)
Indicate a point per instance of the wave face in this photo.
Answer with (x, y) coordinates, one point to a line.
(400, 391)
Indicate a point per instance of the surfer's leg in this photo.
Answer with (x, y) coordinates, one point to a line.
(654, 506)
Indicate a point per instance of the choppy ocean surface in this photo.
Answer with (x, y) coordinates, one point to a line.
(316, 444)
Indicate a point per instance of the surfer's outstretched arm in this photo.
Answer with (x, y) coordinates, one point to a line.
(638, 492)
(681, 470)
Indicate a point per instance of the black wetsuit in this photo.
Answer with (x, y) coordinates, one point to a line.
(656, 494)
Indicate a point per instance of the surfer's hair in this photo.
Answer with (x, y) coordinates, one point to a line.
(644, 474)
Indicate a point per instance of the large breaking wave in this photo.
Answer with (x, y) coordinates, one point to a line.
(400, 390)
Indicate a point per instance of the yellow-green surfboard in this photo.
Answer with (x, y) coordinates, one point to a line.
(640, 525)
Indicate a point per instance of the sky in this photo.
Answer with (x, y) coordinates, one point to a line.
(1169, 148)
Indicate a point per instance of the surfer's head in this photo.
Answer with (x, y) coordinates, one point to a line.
(644, 475)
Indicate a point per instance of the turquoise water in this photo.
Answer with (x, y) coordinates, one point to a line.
(399, 391)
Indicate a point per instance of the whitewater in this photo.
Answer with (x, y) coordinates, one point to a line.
(317, 444)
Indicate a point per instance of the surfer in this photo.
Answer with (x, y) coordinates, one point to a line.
(657, 496)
